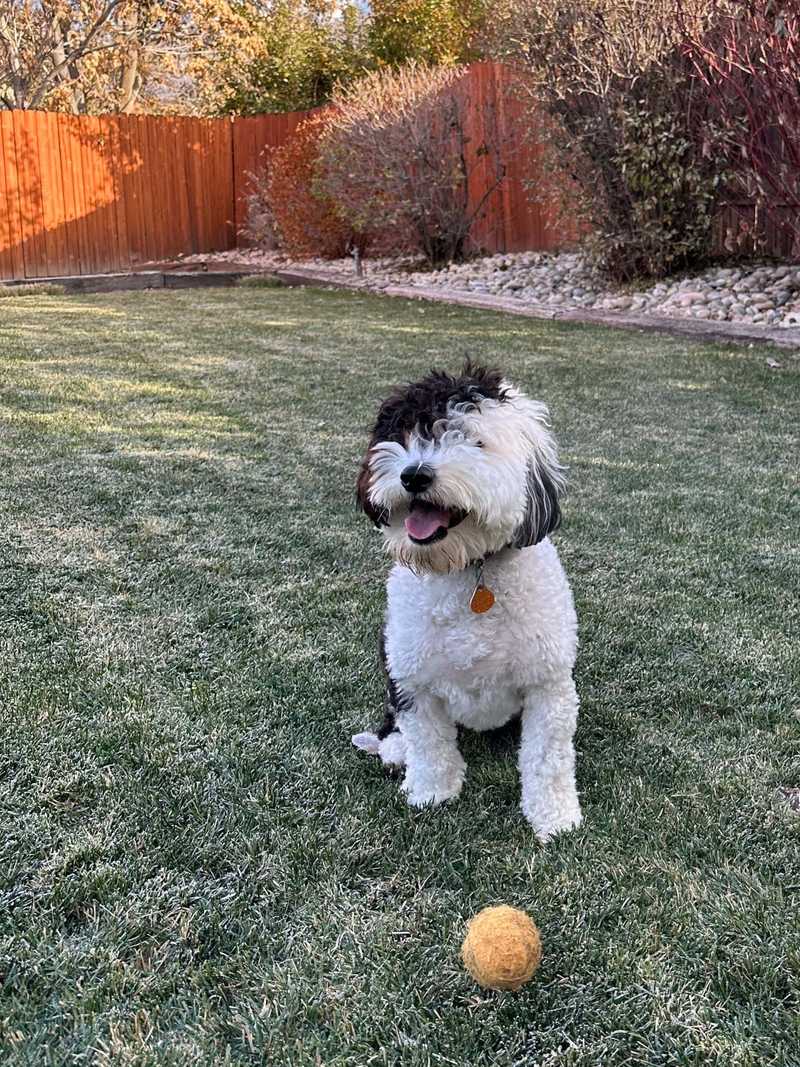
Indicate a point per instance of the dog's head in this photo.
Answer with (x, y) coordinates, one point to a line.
(458, 468)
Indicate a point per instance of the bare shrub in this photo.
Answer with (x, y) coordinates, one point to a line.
(258, 227)
(398, 154)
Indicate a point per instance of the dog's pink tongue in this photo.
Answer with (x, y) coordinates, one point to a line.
(423, 523)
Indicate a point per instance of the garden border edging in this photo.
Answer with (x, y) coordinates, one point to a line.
(697, 329)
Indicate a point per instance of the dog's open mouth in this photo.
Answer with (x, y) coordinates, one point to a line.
(426, 522)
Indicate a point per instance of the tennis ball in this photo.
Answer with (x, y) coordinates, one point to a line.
(502, 948)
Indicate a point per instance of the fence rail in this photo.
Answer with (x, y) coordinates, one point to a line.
(87, 195)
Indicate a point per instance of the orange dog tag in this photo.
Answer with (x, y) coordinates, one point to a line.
(482, 600)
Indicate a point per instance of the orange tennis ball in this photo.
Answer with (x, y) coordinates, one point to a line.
(502, 948)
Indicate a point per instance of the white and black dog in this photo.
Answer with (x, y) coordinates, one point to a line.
(462, 476)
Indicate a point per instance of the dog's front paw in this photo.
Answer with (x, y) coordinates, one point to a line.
(554, 818)
(426, 789)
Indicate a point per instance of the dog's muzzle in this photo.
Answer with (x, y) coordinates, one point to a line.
(416, 477)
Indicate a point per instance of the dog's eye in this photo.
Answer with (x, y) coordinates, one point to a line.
(479, 444)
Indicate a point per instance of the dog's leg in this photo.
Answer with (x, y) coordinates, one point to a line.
(547, 758)
(388, 742)
(435, 768)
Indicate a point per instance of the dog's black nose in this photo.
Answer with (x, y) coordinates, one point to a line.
(416, 477)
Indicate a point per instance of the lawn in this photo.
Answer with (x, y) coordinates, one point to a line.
(197, 868)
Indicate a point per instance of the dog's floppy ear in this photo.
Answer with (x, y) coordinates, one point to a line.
(544, 482)
(377, 515)
(542, 510)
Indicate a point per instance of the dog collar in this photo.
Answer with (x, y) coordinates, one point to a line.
(482, 598)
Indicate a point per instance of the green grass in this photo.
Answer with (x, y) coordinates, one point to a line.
(260, 281)
(9, 292)
(195, 865)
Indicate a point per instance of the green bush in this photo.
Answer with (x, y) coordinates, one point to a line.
(654, 213)
(627, 120)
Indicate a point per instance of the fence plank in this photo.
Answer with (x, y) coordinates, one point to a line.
(52, 194)
(72, 133)
(12, 263)
(34, 250)
(135, 178)
(7, 210)
(107, 214)
(194, 181)
(94, 236)
(72, 209)
(180, 144)
(243, 139)
(152, 196)
(177, 240)
(117, 153)
(139, 143)
(205, 199)
(212, 192)
(227, 195)
(108, 159)
(105, 217)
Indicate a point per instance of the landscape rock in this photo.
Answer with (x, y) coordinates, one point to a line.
(755, 293)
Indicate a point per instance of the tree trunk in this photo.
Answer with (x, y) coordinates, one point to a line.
(130, 81)
(66, 71)
(15, 95)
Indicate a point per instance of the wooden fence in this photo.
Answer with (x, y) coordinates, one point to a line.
(519, 215)
(86, 195)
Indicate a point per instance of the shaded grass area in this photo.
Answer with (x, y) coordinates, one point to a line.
(197, 868)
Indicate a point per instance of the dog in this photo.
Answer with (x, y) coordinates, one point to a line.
(462, 477)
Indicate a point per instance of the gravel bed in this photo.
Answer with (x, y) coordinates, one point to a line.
(758, 293)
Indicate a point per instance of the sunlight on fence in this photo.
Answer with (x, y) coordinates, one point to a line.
(86, 195)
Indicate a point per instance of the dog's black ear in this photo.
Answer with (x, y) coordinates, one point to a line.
(542, 511)
(377, 515)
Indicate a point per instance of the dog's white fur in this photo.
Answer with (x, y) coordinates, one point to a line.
(452, 666)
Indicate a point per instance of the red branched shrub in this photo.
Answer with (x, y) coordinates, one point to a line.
(305, 221)
(747, 55)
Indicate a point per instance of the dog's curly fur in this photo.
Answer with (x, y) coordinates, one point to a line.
(461, 475)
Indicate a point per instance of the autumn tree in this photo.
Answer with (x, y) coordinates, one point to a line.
(302, 50)
(308, 48)
(89, 56)
(438, 32)
(217, 56)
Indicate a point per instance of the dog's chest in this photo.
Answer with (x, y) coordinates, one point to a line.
(435, 639)
(435, 642)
